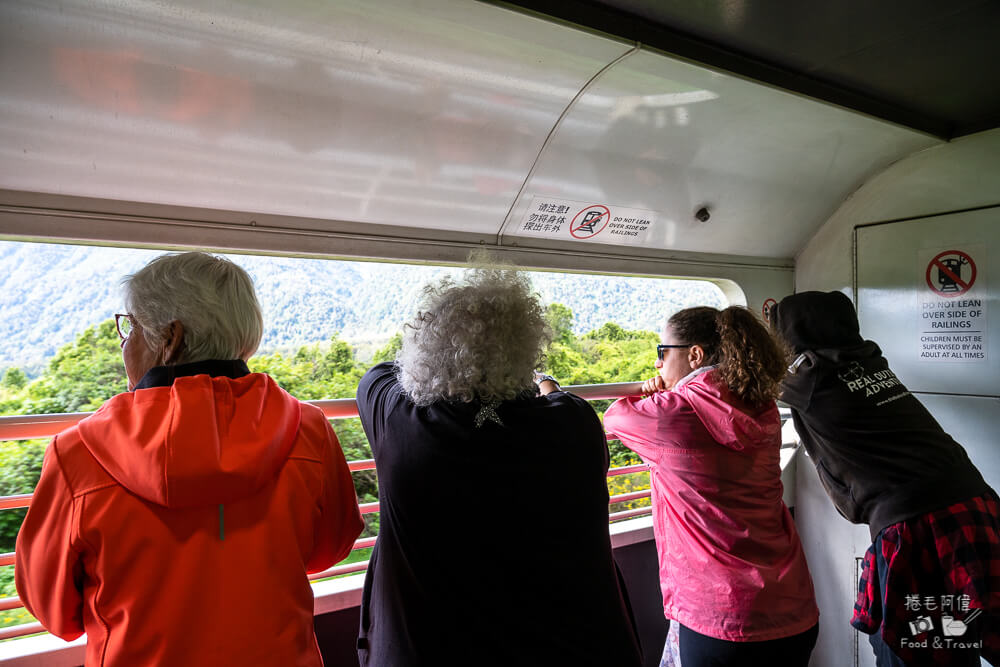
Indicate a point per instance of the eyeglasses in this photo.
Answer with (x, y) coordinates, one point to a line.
(660, 349)
(123, 322)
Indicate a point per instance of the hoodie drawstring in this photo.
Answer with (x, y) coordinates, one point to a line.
(222, 522)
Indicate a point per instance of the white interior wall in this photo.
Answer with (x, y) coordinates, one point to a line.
(957, 176)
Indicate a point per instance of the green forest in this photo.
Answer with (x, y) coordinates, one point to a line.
(85, 373)
(303, 300)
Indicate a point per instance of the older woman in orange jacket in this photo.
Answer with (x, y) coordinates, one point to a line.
(176, 525)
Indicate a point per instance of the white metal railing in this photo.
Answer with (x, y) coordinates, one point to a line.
(24, 427)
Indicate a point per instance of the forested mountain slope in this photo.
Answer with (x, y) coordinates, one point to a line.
(50, 293)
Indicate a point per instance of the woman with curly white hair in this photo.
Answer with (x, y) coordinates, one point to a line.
(466, 569)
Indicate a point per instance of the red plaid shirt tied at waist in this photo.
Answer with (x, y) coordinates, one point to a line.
(942, 585)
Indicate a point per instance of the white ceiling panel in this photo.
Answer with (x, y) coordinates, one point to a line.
(421, 114)
(664, 136)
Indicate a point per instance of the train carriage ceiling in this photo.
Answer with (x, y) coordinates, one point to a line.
(924, 64)
(459, 121)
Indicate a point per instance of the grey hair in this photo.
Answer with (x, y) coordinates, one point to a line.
(213, 298)
(479, 339)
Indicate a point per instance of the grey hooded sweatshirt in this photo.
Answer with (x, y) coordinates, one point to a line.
(879, 453)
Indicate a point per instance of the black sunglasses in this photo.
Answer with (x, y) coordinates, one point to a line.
(660, 349)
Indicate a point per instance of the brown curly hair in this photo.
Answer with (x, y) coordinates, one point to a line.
(751, 360)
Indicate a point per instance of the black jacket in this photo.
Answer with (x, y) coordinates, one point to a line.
(879, 453)
(493, 545)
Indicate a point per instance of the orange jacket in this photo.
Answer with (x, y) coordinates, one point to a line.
(176, 525)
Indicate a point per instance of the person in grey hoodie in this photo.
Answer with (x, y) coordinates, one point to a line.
(934, 565)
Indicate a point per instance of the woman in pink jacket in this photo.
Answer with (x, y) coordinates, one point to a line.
(732, 571)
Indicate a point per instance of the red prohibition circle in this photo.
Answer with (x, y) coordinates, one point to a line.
(573, 228)
(766, 310)
(961, 286)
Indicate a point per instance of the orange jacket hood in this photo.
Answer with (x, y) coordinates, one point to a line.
(200, 441)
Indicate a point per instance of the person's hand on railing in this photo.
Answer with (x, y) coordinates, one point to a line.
(654, 385)
(546, 383)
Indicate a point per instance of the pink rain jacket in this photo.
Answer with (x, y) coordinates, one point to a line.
(731, 564)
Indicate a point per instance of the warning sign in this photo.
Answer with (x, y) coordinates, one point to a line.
(951, 273)
(586, 221)
(953, 323)
(766, 310)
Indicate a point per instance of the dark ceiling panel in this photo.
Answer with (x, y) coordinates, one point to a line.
(944, 68)
(925, 64)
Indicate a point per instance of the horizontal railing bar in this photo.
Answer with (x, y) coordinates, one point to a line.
(364, 543)
(24, 499)
(627, 470)
(357, 466)
(340, 569)
(337, 408)
(20, 630)
(25, 427)
(625, 497)
(15, 502)
(597, 392)
(15, 602)
(628, 514)
(371, 508)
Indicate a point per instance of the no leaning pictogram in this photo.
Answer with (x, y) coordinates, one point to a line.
(951, 273)
(555, 218)
(766, 310)
(590, 221)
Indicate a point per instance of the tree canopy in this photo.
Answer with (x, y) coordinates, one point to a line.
(87, 372)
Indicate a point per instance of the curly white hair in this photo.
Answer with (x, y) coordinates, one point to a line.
(478, 339)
